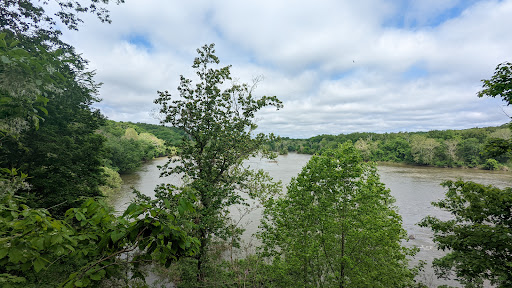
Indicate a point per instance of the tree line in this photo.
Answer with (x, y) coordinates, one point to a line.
(334, 225)
(448, 148)
(128, 145)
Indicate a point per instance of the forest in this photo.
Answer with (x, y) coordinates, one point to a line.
(335, 226)
(468, 148)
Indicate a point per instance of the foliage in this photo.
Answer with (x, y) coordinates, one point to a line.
(477, 238)
(48, 130)
(21, 100)
(498, 148)
(110, 241)
(112, 182)
(491, 164)
(336, 226)
(423, 149)
(31, 55)
(500, 84)
(218, 120)
(48, 124)
(171, 135)
(468, 150)
(126, 149)
(31, 240)
(61, 153)
(27, 16)
(449, 148)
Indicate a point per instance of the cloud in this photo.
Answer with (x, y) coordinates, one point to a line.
(338, 66)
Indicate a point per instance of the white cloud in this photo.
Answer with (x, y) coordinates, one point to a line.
(338, 66)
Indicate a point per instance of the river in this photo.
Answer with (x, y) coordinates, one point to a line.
(414, 188)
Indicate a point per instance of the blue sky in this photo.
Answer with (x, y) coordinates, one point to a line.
(338, 66)
(410, 14)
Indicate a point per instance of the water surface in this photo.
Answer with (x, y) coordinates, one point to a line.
(413, 187)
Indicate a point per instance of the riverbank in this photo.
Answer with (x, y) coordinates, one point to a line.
(503, 168)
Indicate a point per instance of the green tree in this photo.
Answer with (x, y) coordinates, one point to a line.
(46, 93)
(365, 147)
(396, 149)
(423, 149)
(131, 134)
(171, 135)
(450, 147)
(478, 237)
(32, 55)
(126, 150)
(124, 155)
(336, 227)
(62, 152)
(90, 244)
(21, 100)
(500, 84)
(28, 16)
(112, 184)
(218, 120)
(469, 151)
(47, 129)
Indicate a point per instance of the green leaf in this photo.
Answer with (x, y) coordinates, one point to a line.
(14, 43)
(38, 243)
(39, 264)
(116, 235)
(98, 275)
(71, 248)
(79, 216)
(130, 209)
(5, 59)
(36, 122)
(184, 206)
(181, 209)
(43, 109)
(42, 99)
(3, 252)
(56, 239)
(15, 255)
(82, 237)
(5, 100)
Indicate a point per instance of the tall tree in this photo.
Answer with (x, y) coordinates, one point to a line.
(62, 157)
(478, 237)
(423, 149)
(336, 227)
(29, 16)
(46, 93)
(500, 85)
(47, 130)
(218, 119)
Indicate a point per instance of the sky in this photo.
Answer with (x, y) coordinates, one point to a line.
(337, 66)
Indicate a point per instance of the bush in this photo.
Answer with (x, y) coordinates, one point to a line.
(491, 164)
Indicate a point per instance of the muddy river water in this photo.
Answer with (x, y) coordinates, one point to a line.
(413, 187)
